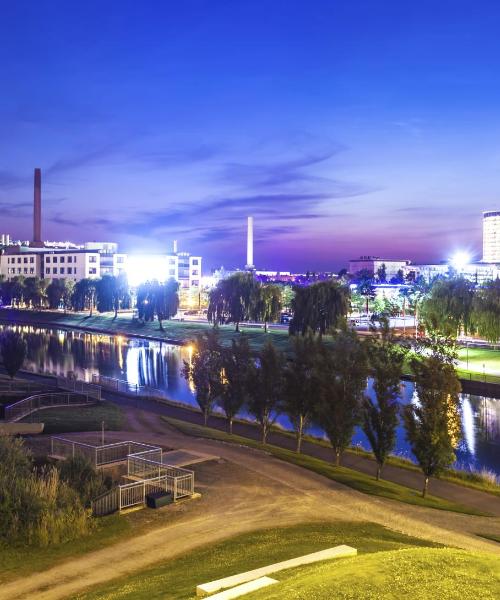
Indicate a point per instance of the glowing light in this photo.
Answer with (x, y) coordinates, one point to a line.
(468, 425)
(146, 267)
(119, 339)
(460, 260)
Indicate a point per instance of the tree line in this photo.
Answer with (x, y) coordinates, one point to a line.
(325, 385)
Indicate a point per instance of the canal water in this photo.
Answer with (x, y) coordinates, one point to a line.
(159, 365)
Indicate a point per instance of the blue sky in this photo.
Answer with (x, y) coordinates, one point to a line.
(344, 128)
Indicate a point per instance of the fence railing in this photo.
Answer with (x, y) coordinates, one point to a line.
(19, 385)
(75, 385)
(120, 385)
(23, 408)
(144, 463)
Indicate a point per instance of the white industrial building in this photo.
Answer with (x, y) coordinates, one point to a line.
(491, 236)
(373, 263)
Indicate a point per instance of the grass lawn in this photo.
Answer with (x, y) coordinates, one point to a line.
(177, 578)
(22, 560)
(354, 479)
(174, 331)
(417, 573)
(477, 358)
(79, 418)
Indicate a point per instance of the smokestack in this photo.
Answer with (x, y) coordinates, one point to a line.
(175, 246)
(37, 209)
(249, 264)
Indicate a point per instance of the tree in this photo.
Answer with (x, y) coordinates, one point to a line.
(266, 307)
(382, 273)
(13, 350)
(399, 278)
(237, 369)
(35, 291)
(57, 292)
(84, 295)
(165, 300)
(232, 299)
(448, 308)
(319, 307)
(342, 372)
(365, 288)
(301, 387)
(486, 311)
(79, 473)
(205, 371)
(266, 388)
(380, 417)
(433, 422)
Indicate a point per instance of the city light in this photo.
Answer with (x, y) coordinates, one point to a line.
(460, 260)
(150, 267)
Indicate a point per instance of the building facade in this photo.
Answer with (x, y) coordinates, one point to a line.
(491, 236)
(373, 263)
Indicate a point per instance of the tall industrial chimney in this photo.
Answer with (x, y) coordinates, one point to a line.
(37, 210)
(250, 265)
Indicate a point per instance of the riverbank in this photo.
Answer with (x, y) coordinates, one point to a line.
(174, 332)
(183, 332)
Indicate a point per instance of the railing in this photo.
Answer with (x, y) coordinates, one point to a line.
(120, 385)
(106, 503)
(74, 385)
(19, 385)
(71, 448)
(22, 408)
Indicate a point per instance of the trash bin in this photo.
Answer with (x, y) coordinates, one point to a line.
(158, 499)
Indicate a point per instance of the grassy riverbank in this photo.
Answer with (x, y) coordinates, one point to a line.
(177, 332)
(354, 479)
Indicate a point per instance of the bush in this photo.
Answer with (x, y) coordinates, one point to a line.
(79, 473)
(13, 350)
(36, 507)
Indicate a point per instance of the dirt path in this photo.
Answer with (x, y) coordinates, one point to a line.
(251, 490)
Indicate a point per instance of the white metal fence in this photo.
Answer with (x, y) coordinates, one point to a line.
(22, 408)
(144, 463)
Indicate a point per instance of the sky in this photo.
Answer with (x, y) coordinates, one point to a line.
(345, 128)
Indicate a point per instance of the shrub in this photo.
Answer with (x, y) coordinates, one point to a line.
(79, 473)
(36, 508)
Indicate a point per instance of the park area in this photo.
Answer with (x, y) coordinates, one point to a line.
(254, 509)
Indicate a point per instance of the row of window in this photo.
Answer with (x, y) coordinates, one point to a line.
(12, 260)
(24, 271)
(71, 259)
(69, 270)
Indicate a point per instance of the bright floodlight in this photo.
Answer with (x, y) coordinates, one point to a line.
(146, 267)
(460, 260)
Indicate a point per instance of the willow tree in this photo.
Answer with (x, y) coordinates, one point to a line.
(432, 421)
(447, 310)
(380, 415)
(342, 372)
(486, 311)
(232, 300)
(266, 305)
(319, 307)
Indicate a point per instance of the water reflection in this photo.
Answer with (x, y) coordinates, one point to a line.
(159, 365)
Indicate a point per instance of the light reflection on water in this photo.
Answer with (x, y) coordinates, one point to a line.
(159, 365)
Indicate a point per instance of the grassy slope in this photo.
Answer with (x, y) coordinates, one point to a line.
(79, 418)
(420, 574)
(177, 578)
(354, 479)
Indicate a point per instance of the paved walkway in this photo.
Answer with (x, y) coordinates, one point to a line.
(482, 501)
(248, 490)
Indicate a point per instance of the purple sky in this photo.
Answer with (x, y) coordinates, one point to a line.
(344, 128)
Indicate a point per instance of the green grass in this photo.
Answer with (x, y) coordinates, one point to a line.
(417, 573)
(349, 477)
(79, 418)
(176, 579)
(477, 358)
(21, 560)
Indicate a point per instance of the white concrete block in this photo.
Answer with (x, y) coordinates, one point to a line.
(205, 589)
(245, 588)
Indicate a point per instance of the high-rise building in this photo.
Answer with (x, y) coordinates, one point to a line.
(249, 266)
(491, 236)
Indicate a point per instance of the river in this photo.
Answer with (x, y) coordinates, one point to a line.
(158, 364)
